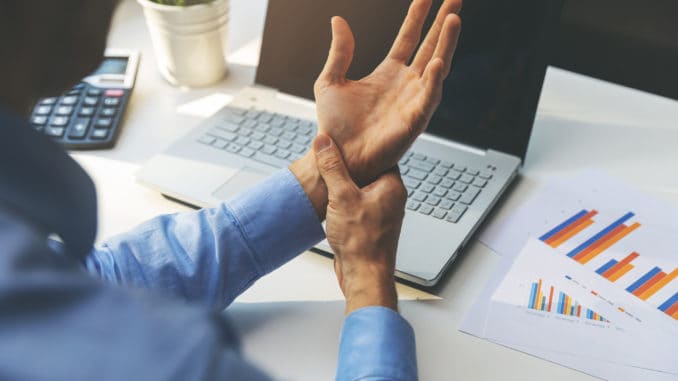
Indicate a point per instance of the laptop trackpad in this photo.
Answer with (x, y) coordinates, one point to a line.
(239, 182)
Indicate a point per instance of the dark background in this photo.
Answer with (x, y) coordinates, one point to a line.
(630, 42)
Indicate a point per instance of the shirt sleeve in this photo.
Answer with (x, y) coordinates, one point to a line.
(377, 343)
(213, 255)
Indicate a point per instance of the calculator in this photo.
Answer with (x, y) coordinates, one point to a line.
(89, 115)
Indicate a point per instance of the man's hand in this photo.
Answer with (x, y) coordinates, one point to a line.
(376, 119)
(363, 227)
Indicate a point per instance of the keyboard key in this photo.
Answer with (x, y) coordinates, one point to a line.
(206, 139)
(220, 143)
(282, 154)
(277, 121)
(270, 140)
(440, 192)
(303, 140)
(413, 205)
(249, 123)
(64, 110)
(282, 143)
(230, 127)
(420, 196)
(59, 121)
(43, 110)
(428, 188)
(111, 102)
(233, 148)
(403, 161)
(446, 204)
(453, 195)
(78, 129)
(433, 200)
(453, 217)
(446, 164)
(243, 141)
(298, 148)
(39, 120)
(275, 131)
(246, 152)
(420, 165)
(223, 134)
(440, 172)
(270, 160)
(433, 161)
(411, 183)
(70, 100)
(404, 171)
(89, 101)
(419, 175)
(289, 135)
(256, 145)
(86, 111)
(426, 209)
(447, 183)
(466, 179)
(480, 183)
(419, 156)
(55, 132)
(253, 114)
(459, 187)
(269, 150)
(99, 134)
(439, 214)
(472, 172)
(434, 179)
(460, 209)
(485, 175)
(265, 117)
(245, 132)
(459, 168)
(469, 196)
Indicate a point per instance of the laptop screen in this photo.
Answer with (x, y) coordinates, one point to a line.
(489, 99)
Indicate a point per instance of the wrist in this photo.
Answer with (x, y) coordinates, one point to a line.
(370, 291)
(306, 171)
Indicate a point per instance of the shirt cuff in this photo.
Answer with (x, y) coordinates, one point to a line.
(376, 343)
(277, 219)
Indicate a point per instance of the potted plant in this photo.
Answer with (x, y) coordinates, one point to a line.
(189, 39)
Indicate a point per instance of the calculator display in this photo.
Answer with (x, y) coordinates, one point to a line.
(112, 65)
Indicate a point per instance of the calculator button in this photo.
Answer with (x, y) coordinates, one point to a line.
(79, 128)
(55, 132)
(64, 110)
(99, 134)
(39, 120)
(107, 112)
(59, 121)
(111, 102)
(86, 111)
(115, 93)
(94, 92)
(103, 123)
(43, 110)
(69, 100)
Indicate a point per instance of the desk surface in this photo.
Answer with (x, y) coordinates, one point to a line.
(581, 124)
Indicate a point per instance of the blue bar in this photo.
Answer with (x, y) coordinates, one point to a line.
(606, 267)
(667, 304)
(568, 277)
(589, 314)
(543, 303)
(562, 226)
(600, 235)
(644, 279)
(573, 311)
(561, 303)
(533, 296)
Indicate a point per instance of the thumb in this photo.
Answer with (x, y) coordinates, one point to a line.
(332, 167)
(341, 51)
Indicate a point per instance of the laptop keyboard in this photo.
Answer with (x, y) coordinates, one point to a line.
(440, 189)
(436, 188)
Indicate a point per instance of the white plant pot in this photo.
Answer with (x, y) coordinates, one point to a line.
(189, 42)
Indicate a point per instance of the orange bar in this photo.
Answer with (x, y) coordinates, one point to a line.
(620, 273)
(550, 299)
(651, 282)
(568, 306)
(595, 316)
(673, 310)
(599, 242)
(607, 242)
(539, 295)
(658, 286)
(675, 315)
(612, 270)
(579, 310)
(572, 230)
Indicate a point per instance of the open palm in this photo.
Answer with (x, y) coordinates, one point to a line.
(376, 119)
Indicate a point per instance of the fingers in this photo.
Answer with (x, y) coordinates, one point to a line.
(410, 33)
(447, 43)
(332, 168)
(434, 74)
(429, 45)
(341, 51)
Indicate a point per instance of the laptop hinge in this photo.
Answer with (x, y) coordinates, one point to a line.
(453, 144)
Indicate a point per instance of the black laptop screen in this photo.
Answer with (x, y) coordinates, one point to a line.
(489, 100)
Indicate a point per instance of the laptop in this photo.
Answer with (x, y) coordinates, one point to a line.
(455, 172)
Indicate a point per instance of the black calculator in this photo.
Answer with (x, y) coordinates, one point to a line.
(89, 115)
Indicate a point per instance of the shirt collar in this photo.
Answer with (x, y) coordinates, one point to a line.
(39, 180)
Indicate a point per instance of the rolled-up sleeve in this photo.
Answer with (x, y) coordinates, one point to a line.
(377, 343)
(213, 255)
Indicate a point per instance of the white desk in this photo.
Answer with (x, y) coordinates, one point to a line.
(582, 123)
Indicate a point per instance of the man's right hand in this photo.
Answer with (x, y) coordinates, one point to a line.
(363, 227)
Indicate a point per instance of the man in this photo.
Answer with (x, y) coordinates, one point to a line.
(157, 316)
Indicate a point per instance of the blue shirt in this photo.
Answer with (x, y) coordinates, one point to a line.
(157, 314)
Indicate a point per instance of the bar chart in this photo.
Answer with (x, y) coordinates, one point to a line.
(644, 287)
(550, 300)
